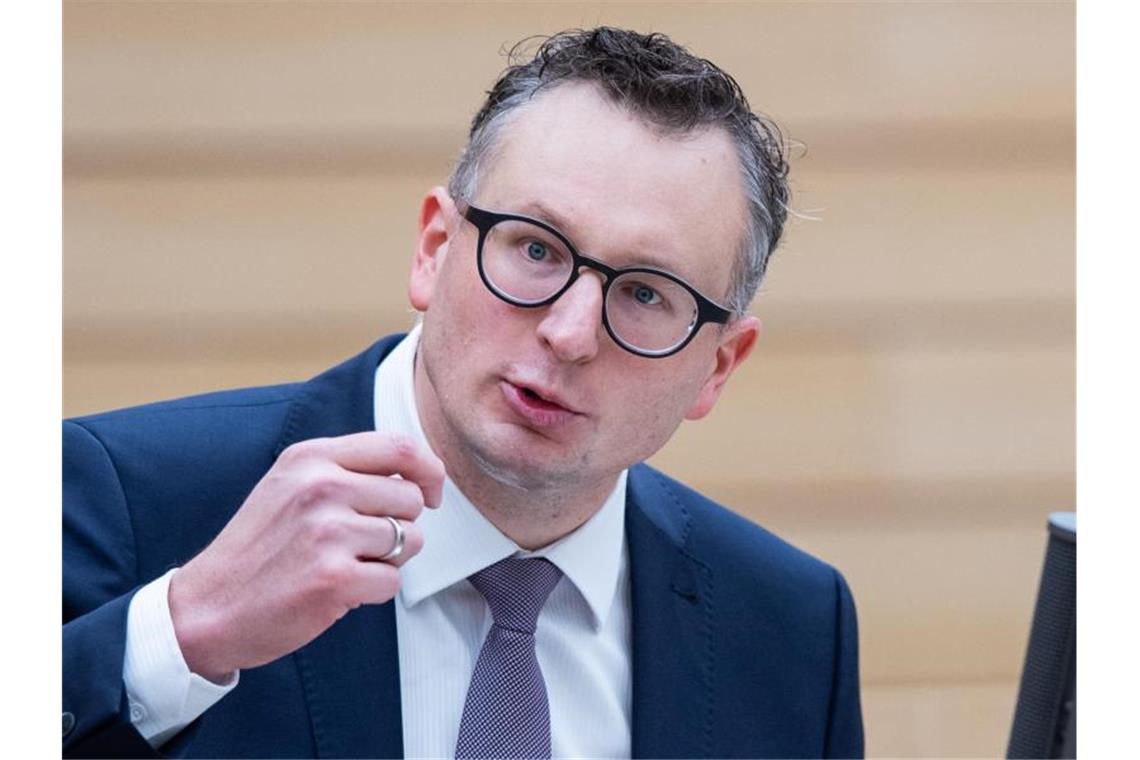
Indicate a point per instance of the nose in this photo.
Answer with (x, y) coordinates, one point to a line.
(571, 325)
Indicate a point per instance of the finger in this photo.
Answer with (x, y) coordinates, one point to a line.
(380, 495)
(374, 537)
(389, 454)
(371, 583)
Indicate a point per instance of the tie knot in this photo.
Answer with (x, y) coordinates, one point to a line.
(516, 589)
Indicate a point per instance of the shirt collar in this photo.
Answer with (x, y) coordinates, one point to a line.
(459, 541)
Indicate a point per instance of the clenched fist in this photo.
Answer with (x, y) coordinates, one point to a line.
(303, 550)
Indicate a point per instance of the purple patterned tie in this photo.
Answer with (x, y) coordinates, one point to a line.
(507, 714)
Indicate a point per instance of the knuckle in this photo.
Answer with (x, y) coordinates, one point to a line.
(388, 585)
(288, 455)
(323, 530)
(403, 447)
(413, 540)
(410, 500)
(331, 573)
(417, 507)
(318, 489)
(302, 451)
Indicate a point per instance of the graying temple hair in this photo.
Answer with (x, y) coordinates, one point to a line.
(669, 88)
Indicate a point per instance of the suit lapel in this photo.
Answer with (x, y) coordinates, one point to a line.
(672, 600)
(351, 673)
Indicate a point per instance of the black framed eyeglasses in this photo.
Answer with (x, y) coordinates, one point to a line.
(528, 263)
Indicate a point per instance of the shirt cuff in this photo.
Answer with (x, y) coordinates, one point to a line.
(164, 696)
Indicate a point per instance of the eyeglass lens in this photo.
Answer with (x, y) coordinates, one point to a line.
(526, 264)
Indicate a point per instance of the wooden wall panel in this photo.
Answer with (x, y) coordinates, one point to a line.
(182, 66)
(939, 240)
(958, 720)
(241, 183)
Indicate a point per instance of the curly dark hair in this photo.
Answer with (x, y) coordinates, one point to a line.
(672, 90)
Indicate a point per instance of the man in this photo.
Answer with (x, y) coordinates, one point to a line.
(254, 572)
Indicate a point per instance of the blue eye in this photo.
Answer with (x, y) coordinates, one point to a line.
(646, 295)
(536, 251)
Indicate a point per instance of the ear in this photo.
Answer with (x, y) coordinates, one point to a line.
(438, 217)
(736, 343)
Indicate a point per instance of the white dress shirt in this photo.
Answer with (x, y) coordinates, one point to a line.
(583, 634)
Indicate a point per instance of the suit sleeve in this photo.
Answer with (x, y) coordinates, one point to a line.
(99, 579)
(845, 726)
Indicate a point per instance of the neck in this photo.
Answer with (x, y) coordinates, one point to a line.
(531, 514)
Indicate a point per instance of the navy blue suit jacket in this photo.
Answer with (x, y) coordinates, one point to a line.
(742, 644)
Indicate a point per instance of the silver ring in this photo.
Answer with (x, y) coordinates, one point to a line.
(398, 542)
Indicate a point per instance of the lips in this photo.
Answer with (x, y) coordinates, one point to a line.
(548, 395)
(538, 407)
(536, 399)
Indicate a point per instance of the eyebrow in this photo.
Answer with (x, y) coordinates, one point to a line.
(542, 212)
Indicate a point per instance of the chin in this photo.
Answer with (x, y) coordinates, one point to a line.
(523, 469)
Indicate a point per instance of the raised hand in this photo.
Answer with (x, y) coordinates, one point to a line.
(303, 550)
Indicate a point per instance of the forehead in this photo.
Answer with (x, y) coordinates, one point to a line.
(622, 190)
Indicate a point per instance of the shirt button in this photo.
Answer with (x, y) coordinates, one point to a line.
(68, 723)
(138, 712)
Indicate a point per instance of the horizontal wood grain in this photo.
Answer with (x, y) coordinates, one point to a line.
(241, 188)
(957, 145)
(253, 246)
(188, 66)
(965, 719)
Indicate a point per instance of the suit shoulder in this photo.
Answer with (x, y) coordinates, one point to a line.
(207, 427)
(721, 538)
(203, 403)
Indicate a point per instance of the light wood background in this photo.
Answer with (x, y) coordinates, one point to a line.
(241, 182)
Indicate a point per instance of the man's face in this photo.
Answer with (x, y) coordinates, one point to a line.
(543, 397)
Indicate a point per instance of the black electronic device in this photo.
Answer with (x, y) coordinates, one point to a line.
(1045, 719)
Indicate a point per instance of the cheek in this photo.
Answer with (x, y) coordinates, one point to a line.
(474, 328)
(457, 303)
(647, 409)
(468, 298)
(661, 398)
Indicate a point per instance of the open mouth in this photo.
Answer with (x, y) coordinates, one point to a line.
(536, 410)
(537, 400)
